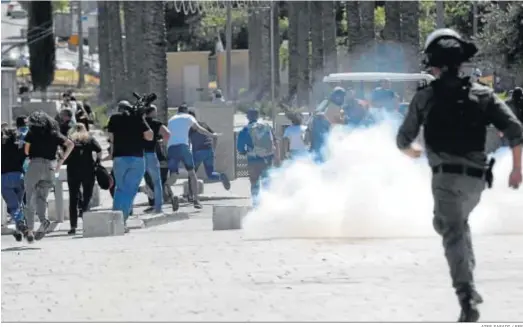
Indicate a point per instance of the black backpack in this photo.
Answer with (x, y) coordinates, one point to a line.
(456, 122)
(104, 179)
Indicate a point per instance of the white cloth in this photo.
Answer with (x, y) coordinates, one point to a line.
(179, 126)
(296, 136)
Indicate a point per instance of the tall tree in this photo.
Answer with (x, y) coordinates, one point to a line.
(104, 53)
(251, 26)
(410, 34)
(135, 45)
(303, 52)
(368, 35)
(329, 36)
(317, 35)
(40, 39)
(118, 70)
(294, 8)
(156, 54)
(264, 72)
(277, 42)
(391, 48)
(354, 32)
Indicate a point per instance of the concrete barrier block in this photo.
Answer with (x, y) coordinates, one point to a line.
(95, 200)
(51, 208)
(186, 187)
(103, 223)
(228, 217)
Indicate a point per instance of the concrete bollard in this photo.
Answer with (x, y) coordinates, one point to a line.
(95, 200)
(103, 223)
(51, 209)
(186, 187)
(228, 217)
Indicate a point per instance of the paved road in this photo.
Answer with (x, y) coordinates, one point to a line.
(186, 272)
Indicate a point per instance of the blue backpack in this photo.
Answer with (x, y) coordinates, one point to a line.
(262, 140)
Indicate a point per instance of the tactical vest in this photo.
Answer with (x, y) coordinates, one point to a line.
(456, 123)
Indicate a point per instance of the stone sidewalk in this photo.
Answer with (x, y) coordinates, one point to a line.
(185, 272)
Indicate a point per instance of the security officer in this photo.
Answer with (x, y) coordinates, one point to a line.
(516, 102)
(454, 114)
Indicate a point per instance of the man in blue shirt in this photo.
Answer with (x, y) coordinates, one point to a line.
(384, 97)
(258, 143)
(203, 152)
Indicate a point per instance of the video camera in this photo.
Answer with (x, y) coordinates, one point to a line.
(142, 103)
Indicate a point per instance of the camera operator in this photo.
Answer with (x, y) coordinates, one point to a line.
(127, 131)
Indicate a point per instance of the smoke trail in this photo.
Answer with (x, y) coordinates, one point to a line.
(368, 189)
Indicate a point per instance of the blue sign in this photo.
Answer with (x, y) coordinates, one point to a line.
(84, 18)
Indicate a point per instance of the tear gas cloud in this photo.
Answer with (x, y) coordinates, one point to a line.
(369, 189)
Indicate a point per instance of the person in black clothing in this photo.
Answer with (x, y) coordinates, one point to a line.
(13, 158)
(83, 117)
(80, 172)
(516, 103)
(152, 164)
(127, 132)
(65, 121)
(41, 145)
(203, 152)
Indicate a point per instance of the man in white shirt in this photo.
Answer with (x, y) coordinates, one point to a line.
(178, 148)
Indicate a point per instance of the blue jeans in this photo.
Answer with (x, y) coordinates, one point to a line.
(128, 173)
(152, 166)
(177, 153)
(13, 194)
(258, 177)
(207, 158)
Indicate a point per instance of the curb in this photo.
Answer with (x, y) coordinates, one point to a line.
(140, 222)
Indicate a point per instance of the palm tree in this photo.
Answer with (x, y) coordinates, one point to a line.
(118, 69)
(317, 39)
(329, 36)
(391, 35)
(276, 40)
(104, 53)
(368, 35)
(135, 45)
(440, 14)
(354, 36)
(303, 51)
(252, 28)
(264, 87)
(41, 43)
(410, 34)
(294, 8)
(156, 54)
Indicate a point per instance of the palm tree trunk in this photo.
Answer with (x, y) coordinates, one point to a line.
(392, 35)
(251, 27)
(410, 34)
(293, 49)
(303, 50)
(440, 14)
(329, 36)
(104, 53)
(118, 71)
(156, 54)
(354, 36)
(368, 35)
(276, 40)
(134, 45)
(317, 34)
(265, 53)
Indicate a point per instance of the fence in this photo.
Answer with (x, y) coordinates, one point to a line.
(240, 160)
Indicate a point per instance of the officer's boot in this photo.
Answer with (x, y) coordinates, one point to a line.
(469, 299)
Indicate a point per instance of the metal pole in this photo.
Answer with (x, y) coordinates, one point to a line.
(228, 41)
(81, 77)
(273, 95)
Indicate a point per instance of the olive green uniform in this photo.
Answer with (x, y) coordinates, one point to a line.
(456, 195)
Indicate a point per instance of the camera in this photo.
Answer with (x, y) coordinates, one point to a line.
(142, 103)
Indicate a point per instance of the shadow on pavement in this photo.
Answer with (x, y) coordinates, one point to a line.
(20, 248)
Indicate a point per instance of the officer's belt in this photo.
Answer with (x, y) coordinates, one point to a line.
(459, 169)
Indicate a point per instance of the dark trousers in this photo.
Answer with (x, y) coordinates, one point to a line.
(164, 173)
(77, 178)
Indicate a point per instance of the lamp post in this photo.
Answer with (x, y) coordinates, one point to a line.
(273, 91)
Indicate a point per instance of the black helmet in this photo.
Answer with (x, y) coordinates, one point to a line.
(124, 105)
(445, 47)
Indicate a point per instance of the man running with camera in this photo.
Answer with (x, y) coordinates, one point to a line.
(127, 131)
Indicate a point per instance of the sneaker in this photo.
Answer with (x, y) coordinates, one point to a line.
(28, 234)
(18, 236)
(42, 230)
(175, 203)
(149, 210)
(126, 230)
(72, 231)
(197, 204)
(225, 181)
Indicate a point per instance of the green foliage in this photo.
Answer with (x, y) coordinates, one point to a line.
(100, 113)
(379, 19)
(264, 107)
(427, 19)
(502, 36)
(60, 6)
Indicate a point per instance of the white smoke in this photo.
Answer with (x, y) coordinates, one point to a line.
(369, 189)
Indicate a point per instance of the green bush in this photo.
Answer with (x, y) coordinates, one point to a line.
(101, 118)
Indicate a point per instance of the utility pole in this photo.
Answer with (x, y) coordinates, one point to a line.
(81, 77)
(273, 77)
(228, 49)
